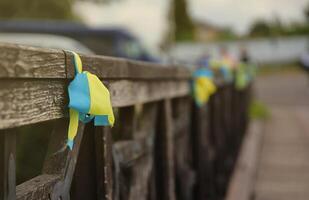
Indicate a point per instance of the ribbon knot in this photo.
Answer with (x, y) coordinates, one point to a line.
(89, 99)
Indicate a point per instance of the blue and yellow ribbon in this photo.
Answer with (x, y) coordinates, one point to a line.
(244, 75)
(89, 99)
(224, 69)
(203, 86)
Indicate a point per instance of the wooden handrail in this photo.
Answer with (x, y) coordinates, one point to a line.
(162, 143)
(33, 85)
(18, 61)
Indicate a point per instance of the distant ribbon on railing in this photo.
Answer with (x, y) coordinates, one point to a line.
(224, 69)
(89, 99)
(244, 75)
(202, 86)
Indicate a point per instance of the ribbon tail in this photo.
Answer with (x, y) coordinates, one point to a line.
(73, 126)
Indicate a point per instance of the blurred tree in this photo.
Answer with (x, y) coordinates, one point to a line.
(276, 26)
(36, 9)
(100, 1)
(168, 38)
(306, 12)
(227, 33)
(260, 28)
(184, 27)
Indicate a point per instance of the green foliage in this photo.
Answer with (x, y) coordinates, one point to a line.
(260, 28)
(184, 27)
(263, 28)
(226, 34)
(36, 9)
(258, 110)
(266, 29)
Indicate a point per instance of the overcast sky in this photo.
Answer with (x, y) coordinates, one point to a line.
(147, 18)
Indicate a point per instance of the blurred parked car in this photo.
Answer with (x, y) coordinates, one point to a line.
(115, 42)
(46, 41)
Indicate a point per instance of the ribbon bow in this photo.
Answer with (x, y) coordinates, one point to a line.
(203, 86)
(89, 99)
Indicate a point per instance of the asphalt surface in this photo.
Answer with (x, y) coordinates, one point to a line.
(283, 171)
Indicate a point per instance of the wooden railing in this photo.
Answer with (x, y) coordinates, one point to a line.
(162, 146)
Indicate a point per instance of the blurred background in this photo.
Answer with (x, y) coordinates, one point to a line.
(272, 34)
(162, 30)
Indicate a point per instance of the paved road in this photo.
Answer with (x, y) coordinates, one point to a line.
(283, 172)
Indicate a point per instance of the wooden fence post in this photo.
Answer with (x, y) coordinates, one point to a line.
(164, 157)
(203, 152)
(7, 165)
(62, 163)
(185, 175)
(104, 161)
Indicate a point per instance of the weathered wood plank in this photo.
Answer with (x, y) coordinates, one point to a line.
(39, 187)
(84, 184)
(115, 68)
(126, 93)
(62, 188)
(19, 61)
(133, 153)
(125, 130)
(185, 175)
(145, 124)
(26, 101)
(7, 165)
(164, 153)
(103, 144)
(33, 89)
(129, 151)
(108, 163)
(56, 157)
(241, 185)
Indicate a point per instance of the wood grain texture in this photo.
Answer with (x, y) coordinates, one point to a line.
(104, 164)
(126, 93)
(26, 101)
(103, 186)
(55, 159)
(134, 155)
(31, 101)
(119, 68)
(19, 61)
(7, 165)
(39, 187)
(164, 153)
(62, 188)
(143, 165)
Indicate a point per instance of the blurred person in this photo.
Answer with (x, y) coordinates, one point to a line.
(304, 60)
(244, 55)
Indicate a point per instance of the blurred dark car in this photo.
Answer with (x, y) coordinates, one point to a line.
(111, 41)
(46, 41)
